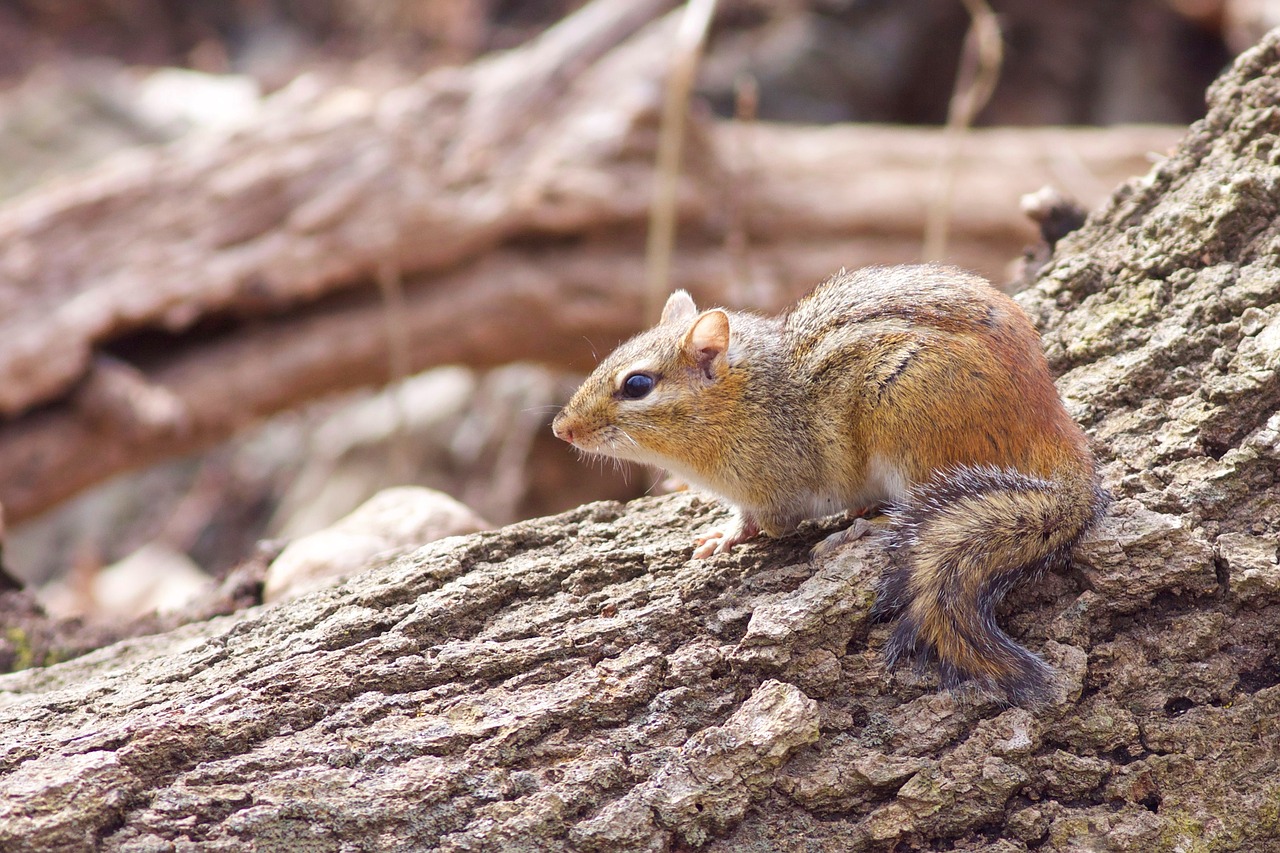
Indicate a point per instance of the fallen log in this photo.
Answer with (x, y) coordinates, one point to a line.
(576, 683)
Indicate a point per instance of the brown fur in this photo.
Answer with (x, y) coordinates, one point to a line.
(922, 387)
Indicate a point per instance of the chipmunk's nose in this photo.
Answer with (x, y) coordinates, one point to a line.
(560, 427)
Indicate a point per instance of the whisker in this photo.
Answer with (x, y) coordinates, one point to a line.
(628, 437)
(657, 481)
(626, 478)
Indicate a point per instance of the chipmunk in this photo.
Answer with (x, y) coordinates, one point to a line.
(919, 388)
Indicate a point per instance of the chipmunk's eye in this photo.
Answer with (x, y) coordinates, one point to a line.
(637, 385)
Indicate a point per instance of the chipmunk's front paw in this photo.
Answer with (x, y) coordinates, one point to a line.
(722, 541)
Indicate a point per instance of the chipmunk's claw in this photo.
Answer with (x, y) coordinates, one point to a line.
(832, 543)
(722, 541)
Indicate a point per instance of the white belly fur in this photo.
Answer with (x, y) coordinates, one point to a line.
(885, 482)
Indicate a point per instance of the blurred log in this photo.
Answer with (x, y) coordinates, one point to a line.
(233, 276)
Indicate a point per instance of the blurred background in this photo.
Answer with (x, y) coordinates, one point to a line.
(87, 84)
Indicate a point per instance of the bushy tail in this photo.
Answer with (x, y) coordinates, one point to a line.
(959, 543)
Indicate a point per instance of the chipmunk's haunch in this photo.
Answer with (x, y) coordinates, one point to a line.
(923, 388)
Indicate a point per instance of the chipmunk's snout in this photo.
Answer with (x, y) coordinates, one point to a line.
(560, 426)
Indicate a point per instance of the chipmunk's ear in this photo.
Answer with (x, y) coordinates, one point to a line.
(707, 343)
(679, 308)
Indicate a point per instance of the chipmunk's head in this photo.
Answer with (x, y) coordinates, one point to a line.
(648, 400)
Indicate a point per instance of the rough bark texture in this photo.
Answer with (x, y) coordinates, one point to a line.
(574, 683)
(507, 198)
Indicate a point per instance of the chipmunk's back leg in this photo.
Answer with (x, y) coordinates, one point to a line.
(958, 543)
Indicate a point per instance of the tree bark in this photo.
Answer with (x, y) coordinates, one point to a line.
(576, 683)
(231, 278)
